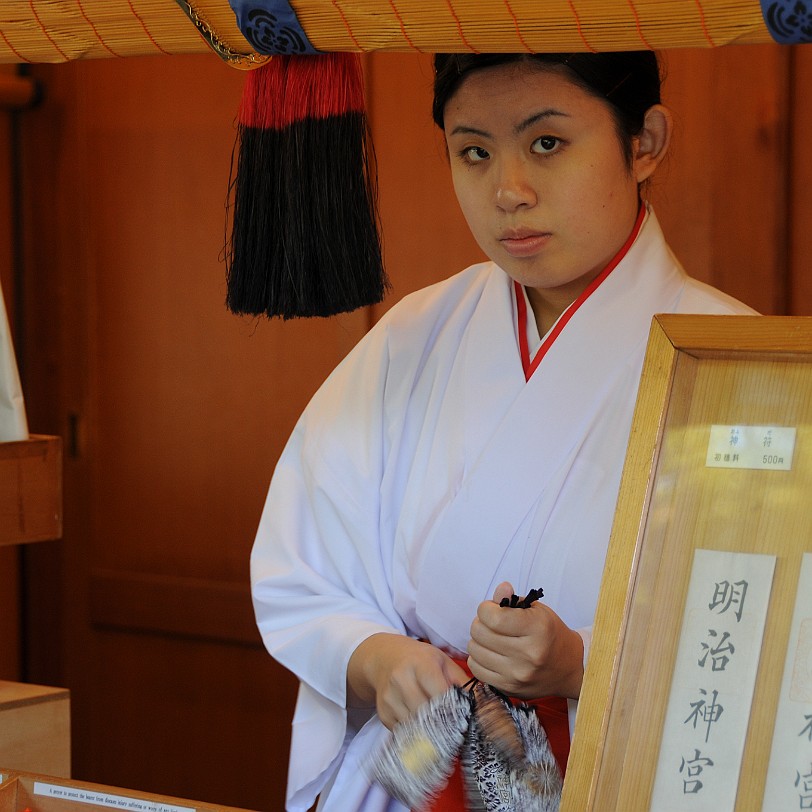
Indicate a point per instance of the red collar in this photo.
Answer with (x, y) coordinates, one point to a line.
(530, 365)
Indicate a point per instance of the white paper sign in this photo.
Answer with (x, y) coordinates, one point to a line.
(760, 447)
(713, 682)
(84, 795)
(789, 776)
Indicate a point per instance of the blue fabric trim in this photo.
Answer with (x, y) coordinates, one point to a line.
(271, 26)
(789, 21)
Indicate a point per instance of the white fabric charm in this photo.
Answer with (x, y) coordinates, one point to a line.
(13, 424)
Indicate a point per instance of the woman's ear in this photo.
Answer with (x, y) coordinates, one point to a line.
(652, 143)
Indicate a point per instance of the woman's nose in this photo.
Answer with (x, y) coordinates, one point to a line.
(513, 188)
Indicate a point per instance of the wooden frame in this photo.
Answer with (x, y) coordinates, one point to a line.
(699, 371)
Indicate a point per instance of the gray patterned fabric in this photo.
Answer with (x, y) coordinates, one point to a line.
(421, 752)
(506, 760)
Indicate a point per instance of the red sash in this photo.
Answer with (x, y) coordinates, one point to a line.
(553, 714)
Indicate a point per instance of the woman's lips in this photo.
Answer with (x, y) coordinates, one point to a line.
(524, 243)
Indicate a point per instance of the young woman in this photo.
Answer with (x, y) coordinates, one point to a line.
(471, 445)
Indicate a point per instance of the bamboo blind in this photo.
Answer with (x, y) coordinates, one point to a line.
(62, 30)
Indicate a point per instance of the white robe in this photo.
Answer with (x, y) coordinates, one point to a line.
(426, 470)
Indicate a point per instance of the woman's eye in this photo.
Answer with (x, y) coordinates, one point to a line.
(476, 154)
(545, 144)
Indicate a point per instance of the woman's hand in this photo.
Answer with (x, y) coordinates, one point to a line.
(398, 674)
(527, 653)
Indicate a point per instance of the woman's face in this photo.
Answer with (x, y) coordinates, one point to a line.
(541, 177)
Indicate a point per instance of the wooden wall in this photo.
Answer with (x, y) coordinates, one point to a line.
(174, 412)
(724, 194)
(798, 167)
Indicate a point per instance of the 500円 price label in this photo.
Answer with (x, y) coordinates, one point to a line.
(761, 447)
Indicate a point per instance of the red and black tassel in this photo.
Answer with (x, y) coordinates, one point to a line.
(304, 238)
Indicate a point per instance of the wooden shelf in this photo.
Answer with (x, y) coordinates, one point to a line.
(31, 490)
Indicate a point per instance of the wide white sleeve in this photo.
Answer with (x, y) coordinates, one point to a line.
(320, 572)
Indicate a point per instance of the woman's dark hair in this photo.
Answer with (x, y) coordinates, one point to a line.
(628, 80)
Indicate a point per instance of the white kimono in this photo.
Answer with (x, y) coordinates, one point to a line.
(426, 470)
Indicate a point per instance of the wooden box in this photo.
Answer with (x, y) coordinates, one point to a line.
(698, 688)
(29, 792)
(31, 490)
(35, 728)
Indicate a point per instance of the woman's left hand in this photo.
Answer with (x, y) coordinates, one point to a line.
(526, 653)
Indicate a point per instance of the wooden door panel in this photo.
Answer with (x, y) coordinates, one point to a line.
(208, 719)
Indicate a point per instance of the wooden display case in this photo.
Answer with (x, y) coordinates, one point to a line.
(35, 728)
(698, 688)
(31, 490)
(31, 792)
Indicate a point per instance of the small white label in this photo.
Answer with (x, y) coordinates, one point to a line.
(760, 447)
(86, 795)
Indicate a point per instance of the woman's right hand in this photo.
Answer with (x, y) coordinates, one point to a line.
(398, 674)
